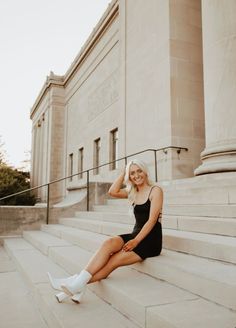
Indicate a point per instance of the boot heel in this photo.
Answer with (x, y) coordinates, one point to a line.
(78, 297)
(61, 297)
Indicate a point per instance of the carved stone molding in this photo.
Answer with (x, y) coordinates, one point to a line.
(105, 95)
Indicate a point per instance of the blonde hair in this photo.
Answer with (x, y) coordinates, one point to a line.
(130, 187)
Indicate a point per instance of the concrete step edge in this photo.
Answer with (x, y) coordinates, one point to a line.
(215, 247)
(208, 225)
(209, 210)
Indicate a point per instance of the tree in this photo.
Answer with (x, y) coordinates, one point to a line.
(13, 181)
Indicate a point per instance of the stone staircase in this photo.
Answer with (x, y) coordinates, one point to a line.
(191, 284)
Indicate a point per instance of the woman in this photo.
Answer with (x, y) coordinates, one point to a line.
(144, 241)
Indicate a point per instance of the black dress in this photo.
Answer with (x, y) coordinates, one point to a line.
(151, 245)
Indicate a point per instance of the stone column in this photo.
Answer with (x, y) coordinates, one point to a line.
(39, 159)
(219, 62)
(32, 161)
(56, 141)
(36, 157)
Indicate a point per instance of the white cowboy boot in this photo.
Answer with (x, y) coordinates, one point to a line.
(76, 285)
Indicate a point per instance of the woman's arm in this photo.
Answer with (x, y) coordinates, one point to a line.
(115, 189)
(156, 199)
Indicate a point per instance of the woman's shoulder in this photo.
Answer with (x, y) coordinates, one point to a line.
(156, 190)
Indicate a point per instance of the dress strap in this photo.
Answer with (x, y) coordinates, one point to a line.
(151, 191)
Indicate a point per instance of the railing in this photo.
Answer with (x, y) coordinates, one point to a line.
(164, 149)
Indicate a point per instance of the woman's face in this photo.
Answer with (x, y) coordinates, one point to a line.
(136, 175)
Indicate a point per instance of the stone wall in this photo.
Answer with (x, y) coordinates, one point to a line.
(15, 219)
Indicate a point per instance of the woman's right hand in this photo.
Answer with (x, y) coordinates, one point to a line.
(115, 189)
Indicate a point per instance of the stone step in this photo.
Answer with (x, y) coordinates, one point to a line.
(16, 298)
(124, 209)
(200, 195)
(27, 257)
(213, 180)
(210, 225)
(206, 189)
(219, 211)
(132, 298)
(106, 216)
(221, 248)
(196, 197)
(199, 312)
(85, 239)
(118, 202)
(103, 227)
(205, 210)
(210, 279)
(34, 266)
(40, 240)
(227, 317)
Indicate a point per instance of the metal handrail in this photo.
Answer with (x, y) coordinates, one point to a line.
(92, 169)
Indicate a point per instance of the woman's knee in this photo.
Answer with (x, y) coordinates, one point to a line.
(113, 244)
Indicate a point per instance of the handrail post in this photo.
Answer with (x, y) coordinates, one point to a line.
(155, 156)
(87, 190)
(48, 201)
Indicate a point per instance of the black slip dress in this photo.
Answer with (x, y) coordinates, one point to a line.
(151, 245)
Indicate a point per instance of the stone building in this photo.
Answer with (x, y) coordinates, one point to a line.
(152, 75)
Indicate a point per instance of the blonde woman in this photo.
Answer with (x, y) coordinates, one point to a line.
(144, 241)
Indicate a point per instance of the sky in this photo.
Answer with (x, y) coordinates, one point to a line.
(36, 37)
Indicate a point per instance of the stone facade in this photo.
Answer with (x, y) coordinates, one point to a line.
(141, 72)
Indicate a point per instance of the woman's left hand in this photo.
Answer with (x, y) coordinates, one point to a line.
(130, 245)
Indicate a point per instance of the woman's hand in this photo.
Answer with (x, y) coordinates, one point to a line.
(115, 189)
(130, 245)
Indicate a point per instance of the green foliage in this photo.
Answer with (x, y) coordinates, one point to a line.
(13, 181)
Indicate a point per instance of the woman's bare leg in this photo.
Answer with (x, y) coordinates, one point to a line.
(109, 256)
(102, 256)
(118, 259)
